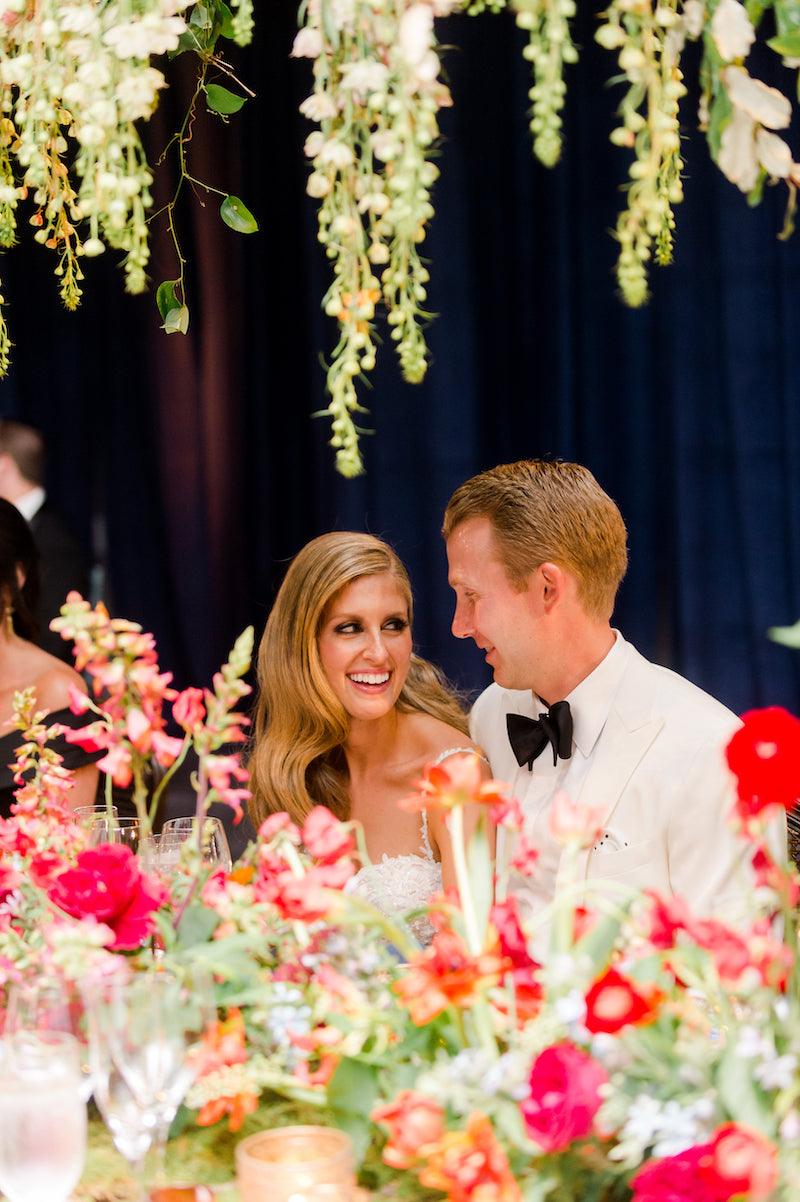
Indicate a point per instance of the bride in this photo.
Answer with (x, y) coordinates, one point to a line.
(348, 716)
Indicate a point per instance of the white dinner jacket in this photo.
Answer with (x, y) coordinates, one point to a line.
(658, 771)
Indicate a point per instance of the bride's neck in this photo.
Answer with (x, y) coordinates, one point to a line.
(371, 742)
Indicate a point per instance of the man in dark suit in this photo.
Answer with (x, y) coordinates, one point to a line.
(62, 562)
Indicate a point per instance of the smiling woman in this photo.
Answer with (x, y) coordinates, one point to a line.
(348, 716)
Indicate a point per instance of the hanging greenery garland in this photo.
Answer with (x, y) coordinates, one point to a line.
(376, 100)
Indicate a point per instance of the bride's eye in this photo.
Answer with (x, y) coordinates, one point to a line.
(396, 624)
(347, 628)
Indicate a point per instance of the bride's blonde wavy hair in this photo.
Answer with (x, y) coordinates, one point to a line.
(297, 759)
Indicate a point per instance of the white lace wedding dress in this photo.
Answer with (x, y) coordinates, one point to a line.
(402, 884)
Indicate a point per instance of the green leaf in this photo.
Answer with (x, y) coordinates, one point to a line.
(787, 44)
(220, 100)
(237, 215)
(197, 925)
(741, 1096)
(166, 298)
(352, 1092)
(177, 320)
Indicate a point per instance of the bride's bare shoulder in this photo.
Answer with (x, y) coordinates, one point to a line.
(434, 739)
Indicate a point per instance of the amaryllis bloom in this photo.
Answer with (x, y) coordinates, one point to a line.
(414, 1122)
(470, 1165)
(445, 974)
(615, 1001)
(564, 1096)
(308, 897)
(458, 781)
(108, 885)
(764, 756)
(571, 822)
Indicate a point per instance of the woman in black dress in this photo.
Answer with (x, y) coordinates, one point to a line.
(24, 665)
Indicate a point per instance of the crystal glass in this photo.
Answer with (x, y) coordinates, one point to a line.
(46, 1004)
(213, 841)
(42, 1116)
(99, 822)
(146, 1035)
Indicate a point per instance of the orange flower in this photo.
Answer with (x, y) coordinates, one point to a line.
(415, 1122)
(237, 1108)
(456, 782)
(470, 1165)
(445, 974)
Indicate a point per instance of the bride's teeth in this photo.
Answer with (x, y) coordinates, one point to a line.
(369, 677)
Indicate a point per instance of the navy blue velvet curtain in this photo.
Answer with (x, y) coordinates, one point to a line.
(193, 469)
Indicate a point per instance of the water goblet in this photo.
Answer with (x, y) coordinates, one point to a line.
(42, 1116)
(48, 1003)
(146, 1033)
(210, 839)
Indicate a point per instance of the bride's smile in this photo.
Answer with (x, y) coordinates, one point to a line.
(365, 645)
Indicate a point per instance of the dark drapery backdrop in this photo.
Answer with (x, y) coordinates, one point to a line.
(192, 469)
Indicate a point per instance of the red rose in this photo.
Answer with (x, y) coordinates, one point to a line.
(107, 884)
(764, 756)
(564, 1098)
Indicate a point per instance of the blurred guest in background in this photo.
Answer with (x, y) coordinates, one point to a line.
(62, 563)
(23, 665)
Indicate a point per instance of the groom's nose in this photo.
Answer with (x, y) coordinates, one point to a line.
(462, 626)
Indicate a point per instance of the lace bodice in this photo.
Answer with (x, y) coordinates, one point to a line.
(400, 884)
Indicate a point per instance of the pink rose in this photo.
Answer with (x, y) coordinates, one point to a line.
(565, 1096)
(326, 838)
(108, 885)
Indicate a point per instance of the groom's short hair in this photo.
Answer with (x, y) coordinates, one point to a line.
(545, 510)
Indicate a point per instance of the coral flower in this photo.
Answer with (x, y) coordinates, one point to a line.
(470, 1165)
(414, 1122)
(445, 974)
(456, 782)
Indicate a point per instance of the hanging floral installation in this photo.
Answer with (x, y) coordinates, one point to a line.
(376, 99)
(75, 78)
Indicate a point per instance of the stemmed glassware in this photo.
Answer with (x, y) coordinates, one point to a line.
(46, 1004)
(210, 840)
(146, 1036)
(42, 1116)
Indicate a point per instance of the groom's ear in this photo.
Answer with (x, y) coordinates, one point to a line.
(547, 586)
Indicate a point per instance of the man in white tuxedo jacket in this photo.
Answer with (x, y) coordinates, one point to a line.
(536, 553)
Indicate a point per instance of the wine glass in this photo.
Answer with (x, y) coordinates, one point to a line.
(146, 1034)
(212, 842)
(49, 1003)
(42, 1116)
(99, 822)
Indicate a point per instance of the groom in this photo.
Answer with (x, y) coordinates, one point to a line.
(536, 553)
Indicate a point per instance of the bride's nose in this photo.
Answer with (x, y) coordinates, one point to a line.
(375, 649)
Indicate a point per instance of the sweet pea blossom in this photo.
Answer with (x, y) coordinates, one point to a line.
(732, 30)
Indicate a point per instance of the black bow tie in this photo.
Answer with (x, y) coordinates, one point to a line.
(530, 736)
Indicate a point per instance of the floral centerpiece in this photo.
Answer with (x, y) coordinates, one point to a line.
(644, 1053)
